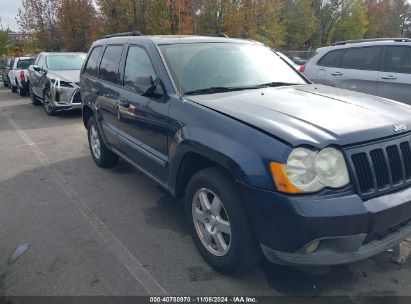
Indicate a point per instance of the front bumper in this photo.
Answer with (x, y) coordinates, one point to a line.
(347, 228)
(340, 250)
(66, 99)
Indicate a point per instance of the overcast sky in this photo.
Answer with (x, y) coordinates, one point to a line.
(8, 13)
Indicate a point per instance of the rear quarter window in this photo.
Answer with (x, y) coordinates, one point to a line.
(398, 59)
(331, 59)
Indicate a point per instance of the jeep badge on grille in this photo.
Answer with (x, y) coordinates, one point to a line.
(399, 127)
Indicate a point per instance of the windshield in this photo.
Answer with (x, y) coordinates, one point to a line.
(24, 63)
(65, 62)
(228, 66)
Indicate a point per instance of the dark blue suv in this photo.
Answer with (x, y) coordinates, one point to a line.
(267, 162)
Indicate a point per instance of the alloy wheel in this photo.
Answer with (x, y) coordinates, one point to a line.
(211, 222)
(48, 103)
(95, 142)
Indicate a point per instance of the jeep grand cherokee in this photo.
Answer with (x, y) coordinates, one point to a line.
(266, 162)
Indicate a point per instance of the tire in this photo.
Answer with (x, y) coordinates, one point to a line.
(102, 156)
(13, 88)
(241, 250)
(22, 92)
(34, 99)
(48, 103)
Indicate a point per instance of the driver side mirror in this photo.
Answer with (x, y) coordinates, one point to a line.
(146, 86)
(37, 68)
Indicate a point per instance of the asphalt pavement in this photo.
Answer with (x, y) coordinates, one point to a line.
(68, 227)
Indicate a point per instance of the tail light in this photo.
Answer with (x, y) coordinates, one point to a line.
(22, 76)
(302, 68)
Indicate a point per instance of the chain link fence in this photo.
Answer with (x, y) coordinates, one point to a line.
(299, 57)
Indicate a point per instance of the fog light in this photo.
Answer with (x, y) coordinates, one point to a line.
(312, 247)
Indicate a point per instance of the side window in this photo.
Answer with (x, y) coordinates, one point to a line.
(110, 62)
(36, 61)
(331, 59)
(92, 64)
(11, 63)
(398, 59)
(368, 58)
(138, 64)
(42, 61)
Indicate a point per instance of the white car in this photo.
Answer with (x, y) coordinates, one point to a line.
(18, 75)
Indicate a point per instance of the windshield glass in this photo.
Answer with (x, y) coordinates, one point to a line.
(65, 62)
(226, 65)
(24, 63)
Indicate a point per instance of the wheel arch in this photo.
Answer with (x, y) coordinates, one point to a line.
(87, 112)
(190, 159)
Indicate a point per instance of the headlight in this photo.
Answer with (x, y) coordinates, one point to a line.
(310, 171)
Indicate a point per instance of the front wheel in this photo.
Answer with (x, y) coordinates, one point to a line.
(102, 156)
(218, 222)
(34, 99)
(48, 103)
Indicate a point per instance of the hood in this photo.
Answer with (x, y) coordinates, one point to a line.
(310, 114)
(66, 75)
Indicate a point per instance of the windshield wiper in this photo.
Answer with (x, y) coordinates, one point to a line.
(274, 84)
(213, 90)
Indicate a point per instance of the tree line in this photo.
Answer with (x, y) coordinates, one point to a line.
(283, 24)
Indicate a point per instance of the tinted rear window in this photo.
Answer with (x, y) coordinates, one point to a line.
(331, 59)
(24, 64)
(398, 59)
(368, 58)
(92, 64)
(110, 63)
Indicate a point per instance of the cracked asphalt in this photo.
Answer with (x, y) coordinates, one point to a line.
(91, 231)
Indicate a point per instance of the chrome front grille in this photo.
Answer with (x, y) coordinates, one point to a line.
(381, 167)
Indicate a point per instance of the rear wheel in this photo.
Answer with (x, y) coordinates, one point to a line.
(22, 91)
(102, 156)
(218, 222)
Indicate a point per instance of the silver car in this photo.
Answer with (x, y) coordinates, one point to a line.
(54, 81)
(379, 67)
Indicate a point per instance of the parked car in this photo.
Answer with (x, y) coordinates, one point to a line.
(379, 67)
(18, 75)
(266, 161)
(299, 61)
(8, 63)
(54, 81)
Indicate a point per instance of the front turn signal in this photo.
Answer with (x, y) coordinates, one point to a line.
(281, 180)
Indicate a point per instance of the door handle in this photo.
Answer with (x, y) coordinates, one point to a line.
(337, 74)
(124, 103)
(390, 77)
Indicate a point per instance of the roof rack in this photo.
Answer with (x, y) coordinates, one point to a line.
(218, 35)
(134, 33)
(371, 40)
